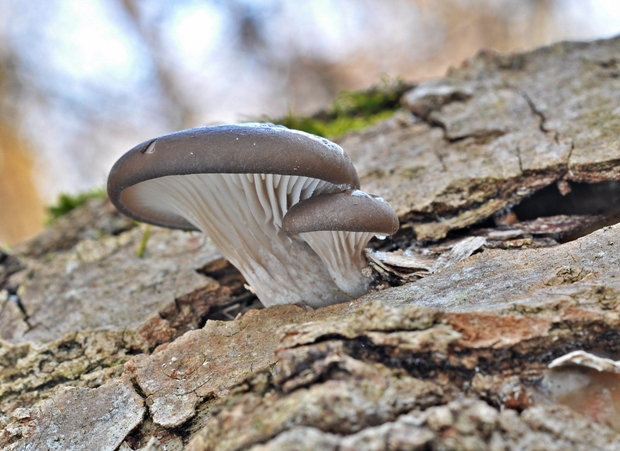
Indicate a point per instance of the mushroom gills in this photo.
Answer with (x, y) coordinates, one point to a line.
(242, 214)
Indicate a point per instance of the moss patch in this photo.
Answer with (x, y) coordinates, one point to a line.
(350, 111)
(67, 202)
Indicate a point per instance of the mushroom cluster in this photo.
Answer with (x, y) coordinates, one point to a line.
(283, 206)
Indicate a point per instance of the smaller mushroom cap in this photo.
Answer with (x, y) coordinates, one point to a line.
(350, 211)
(338, 226)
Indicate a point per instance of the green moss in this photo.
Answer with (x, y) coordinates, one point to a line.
(67, 202)
(143, 241)
(331, 128)
(350, 111)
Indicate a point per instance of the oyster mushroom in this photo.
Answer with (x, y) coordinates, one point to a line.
(338, 226)
(236, 183)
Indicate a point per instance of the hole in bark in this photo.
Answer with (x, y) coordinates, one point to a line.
(581, 208)
(230, 311)
(241, 299)
(581, 199)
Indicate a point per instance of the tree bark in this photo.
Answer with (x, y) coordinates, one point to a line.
(518, 154)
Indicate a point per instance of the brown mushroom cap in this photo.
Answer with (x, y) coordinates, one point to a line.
(350, 211)
(227, 149)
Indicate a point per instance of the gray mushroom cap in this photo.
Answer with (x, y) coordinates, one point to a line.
(347, 211)
(225, 149)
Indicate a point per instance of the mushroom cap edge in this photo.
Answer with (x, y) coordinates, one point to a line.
(234, 149)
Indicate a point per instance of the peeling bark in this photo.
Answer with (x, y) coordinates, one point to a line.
(492, 133)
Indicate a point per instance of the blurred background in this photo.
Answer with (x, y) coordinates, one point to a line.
(82, 81)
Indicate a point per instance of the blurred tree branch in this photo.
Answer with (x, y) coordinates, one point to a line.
(180, 114)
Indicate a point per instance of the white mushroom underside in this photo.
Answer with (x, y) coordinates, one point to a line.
(242, 214)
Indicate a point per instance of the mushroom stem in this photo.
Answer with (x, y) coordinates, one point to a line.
(281, 270)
